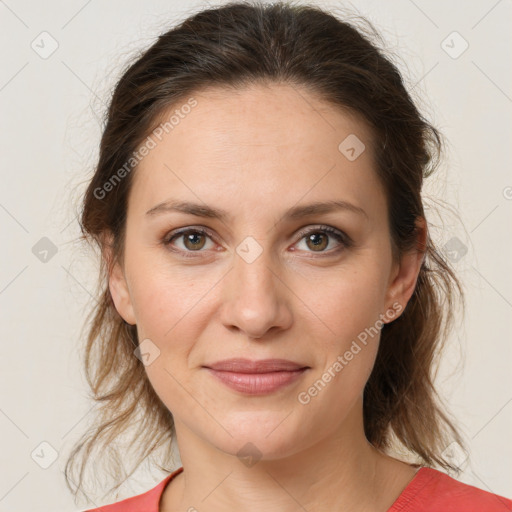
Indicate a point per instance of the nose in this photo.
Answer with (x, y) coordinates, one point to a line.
(255, 298)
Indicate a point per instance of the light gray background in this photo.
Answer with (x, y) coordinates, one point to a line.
(51, 111)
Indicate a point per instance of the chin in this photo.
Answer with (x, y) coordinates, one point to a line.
(259, 435)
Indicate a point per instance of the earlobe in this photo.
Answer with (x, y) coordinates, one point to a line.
(119, 288)
(404, 282)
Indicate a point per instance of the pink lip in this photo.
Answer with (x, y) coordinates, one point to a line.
(256, 377)
(241, 365)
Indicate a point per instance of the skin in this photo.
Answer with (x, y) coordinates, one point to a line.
(256, 153)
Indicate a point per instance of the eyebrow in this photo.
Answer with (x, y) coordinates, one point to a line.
(297, 212)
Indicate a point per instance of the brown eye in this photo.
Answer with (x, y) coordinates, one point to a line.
(194, 240)
(317, 241)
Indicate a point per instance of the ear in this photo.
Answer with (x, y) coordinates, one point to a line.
(405, 273)
(117, 283)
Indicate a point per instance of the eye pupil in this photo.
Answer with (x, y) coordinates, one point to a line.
(189, 239)
(317, 243)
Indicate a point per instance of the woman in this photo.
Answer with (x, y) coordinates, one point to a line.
(271, 297)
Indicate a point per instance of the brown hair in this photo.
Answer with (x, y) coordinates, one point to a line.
(236, 45)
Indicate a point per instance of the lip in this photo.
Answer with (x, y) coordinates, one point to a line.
(241, 365)
(256, 377)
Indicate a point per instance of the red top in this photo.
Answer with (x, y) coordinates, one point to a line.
(429, 491)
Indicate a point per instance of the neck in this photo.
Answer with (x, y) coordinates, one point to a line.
(341, 471)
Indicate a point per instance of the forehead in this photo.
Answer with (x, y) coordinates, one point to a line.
(275, 115)
(259, 144)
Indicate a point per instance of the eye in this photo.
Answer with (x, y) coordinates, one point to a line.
(316, 239)
(193, 240)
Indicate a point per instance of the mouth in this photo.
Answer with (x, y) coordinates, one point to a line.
(256, 377)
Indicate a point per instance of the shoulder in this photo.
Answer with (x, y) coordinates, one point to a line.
(145, 502)
(432, 490)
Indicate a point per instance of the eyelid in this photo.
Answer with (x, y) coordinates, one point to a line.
(327, 229)
(174, 234)
(182, 231)
(340, 235)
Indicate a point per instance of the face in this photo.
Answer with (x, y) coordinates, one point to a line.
(259, 283)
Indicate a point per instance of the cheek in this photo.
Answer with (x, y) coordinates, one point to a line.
(171, 311)
(164, 299)
(346, 308)
(166, 308)
(346, 301)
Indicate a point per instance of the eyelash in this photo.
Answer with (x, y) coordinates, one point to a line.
(341, 237)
